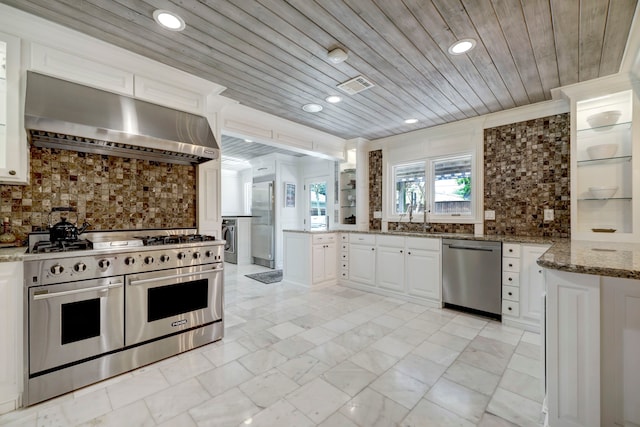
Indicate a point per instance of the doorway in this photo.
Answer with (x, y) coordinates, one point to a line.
(316, 204)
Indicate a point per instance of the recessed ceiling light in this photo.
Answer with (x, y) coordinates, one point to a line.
(337, 56)
(462, 46)
(333, 99)
(411, 121)
(168, 20)
(312, 108)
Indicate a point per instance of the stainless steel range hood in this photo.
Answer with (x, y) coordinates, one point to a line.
(60, 114)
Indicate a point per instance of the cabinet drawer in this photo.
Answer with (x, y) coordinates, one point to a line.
(428, 244)
(362, 239)
(323, 238)
(391, 241)
(510, 278)
(511, 308)
(511, 293)
(511, 264)
(510, 250)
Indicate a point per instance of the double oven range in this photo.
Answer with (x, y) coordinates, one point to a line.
(102, 306)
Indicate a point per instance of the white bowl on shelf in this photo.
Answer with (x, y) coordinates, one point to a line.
(604, 120)
(602, 151)
(602, 192)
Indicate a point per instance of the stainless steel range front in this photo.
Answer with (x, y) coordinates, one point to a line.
(114, 302)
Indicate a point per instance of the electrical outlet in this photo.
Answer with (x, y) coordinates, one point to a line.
(490, 215)
(548, 214)
(377, 214)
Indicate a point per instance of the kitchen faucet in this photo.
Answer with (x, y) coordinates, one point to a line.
(425, 227)
(410, 212)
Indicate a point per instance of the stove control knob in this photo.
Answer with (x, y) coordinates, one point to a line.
(181, 255)
(80, 267)
(129, 260)
(104, 264)
(57, 269)
(148, 260)
(196, 255)
(209, 254)
(164, 258)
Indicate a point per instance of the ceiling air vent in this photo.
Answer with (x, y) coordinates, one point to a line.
(355, 85)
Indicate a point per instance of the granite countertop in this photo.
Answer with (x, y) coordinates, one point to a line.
(494, 238)
(14, 253)
(597, 258)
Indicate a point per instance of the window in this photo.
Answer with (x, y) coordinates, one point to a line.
(410, 194)
(452, 186)
(317, 203)
(444, 184)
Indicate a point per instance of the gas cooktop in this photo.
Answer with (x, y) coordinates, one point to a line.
(117, 240)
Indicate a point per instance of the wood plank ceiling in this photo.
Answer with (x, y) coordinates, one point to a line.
(272, 54)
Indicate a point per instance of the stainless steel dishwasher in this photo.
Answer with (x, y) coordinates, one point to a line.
(472, 276)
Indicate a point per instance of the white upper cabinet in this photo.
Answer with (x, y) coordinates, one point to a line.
(14, 167)
(605, 167)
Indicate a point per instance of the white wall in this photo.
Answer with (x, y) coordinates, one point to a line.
(231, 193)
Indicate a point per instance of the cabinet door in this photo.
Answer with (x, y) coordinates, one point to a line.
(361, 264)
(317, 263)
(390, 268)
(573, 349)
(10, 334)
(621, 338)
(13, 138)
(532, 283)
(330, 261)
(209, 219)
(423, 273)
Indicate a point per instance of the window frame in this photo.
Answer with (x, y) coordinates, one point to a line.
(429, 162)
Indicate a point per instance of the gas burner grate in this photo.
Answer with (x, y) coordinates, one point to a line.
(43, 247)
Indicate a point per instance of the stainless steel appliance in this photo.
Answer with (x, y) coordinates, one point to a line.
(230, 237)
(61, 114)
(471, 276)
(263, 221)
(114, 302)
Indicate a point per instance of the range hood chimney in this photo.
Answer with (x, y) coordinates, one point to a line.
(60, 114)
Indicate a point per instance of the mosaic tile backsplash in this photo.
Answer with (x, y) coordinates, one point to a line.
(527, 171)
(435, 227)
(375, 188)
(111, 193)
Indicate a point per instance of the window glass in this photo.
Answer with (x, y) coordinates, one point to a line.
(409, 188)
(452, 186)
(318, 205)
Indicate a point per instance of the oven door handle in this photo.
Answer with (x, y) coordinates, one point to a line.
(175, 276)
(77, 291)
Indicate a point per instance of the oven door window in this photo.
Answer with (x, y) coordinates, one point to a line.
(180, 298)
(80, 320)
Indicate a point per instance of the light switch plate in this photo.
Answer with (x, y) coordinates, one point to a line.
(377, 214)
(548, 214)
(490, 215)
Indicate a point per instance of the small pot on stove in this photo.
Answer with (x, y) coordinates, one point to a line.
(64, 231)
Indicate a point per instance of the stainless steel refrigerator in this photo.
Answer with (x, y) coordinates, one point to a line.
(263, 222)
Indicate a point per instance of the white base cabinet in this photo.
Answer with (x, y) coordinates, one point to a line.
(11, 286)
(407, 267)
(362, 259)
(522, 285)
(310, 259)
(573, 349)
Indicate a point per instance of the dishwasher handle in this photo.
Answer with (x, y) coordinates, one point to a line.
(470, 248)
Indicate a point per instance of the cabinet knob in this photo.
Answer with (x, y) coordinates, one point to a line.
(12, 172)
(400, 250)
(510, 293)
(510, 265)
(510, 279)
(373, 249)
(509, 308)
(409, 252)
(539, 271)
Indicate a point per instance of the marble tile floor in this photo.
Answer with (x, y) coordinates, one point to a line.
(330, 357)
